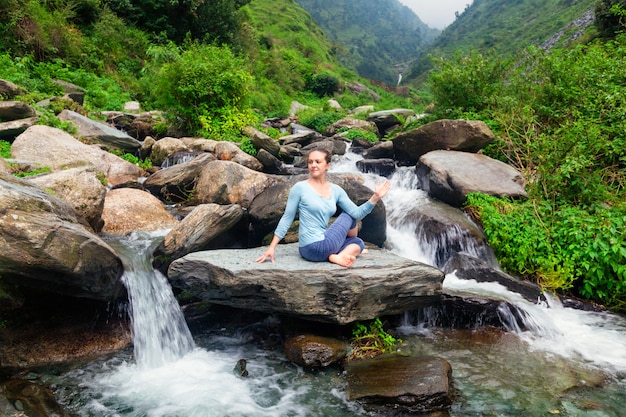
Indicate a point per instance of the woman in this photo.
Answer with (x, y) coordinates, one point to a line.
(317, 199)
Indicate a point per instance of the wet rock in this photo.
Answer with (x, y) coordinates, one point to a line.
(92, 131)
(395, 382)
(468, 267)
(380, 283)
(382, 167)
(165, 147)
(455, 135)
(32, 398)
(314, 351)
(241, 368)
(127, 210)
(450, 176)
(176, 183)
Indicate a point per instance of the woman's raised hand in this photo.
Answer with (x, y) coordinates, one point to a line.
(381, 190)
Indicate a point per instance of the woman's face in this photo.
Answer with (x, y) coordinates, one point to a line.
(317, 164)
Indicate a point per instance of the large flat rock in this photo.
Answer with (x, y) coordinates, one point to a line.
(380, 283)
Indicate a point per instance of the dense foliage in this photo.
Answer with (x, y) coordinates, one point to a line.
(560, 118)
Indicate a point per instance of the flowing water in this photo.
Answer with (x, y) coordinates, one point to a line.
(565, 362)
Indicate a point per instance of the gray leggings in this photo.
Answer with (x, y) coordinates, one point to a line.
(335, 240)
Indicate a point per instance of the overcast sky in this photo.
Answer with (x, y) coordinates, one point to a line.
(436, 13)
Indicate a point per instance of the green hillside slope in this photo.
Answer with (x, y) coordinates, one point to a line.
(507, 27)
(377, 38)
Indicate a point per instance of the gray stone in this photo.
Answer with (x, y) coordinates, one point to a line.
(46, 245)
(380, 283)
(449, 176)
(93, 131)
(13, 110)
(10, 130)
(393, 382)
(468, 267)
(455, 135)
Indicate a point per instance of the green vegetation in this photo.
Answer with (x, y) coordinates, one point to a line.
(5, 149)
(560, 118)
(371, 341)
(505, 27)
(360, 134)
(376, 38)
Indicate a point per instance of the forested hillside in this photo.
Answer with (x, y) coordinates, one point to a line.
(377, 38)
(507, 27)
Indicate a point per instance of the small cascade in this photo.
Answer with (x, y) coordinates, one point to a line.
(160, 333)
(179, 158)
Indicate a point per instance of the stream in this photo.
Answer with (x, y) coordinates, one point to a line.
(568, 362)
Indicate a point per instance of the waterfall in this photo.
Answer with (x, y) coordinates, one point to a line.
(160, 333)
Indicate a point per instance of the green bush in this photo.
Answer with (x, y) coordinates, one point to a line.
(205, 86)
(560, 247)
(360, 134)
(322, 84)
(318, 120)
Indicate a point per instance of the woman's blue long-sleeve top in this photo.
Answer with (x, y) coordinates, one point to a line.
(316, 211)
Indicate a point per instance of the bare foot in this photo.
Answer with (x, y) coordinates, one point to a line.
(353, 232)
(342, 259)
(365, 250)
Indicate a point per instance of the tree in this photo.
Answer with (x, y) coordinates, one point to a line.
(610, 17)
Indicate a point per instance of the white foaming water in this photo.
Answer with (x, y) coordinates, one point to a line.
(160, 334)
(595, 338)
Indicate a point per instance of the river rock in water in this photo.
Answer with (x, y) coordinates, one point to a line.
(396, 382)
(380, 283)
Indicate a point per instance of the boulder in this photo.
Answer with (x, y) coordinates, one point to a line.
(92, 131)
(81, 188)
(127, 210)
(59, 150)
(271, 164)
(46, 245)
(205, 223)
(10, 130)
(357, 89)
(313, 351)
(228, 151)
(225, 182)
(386, 119)
(268, 207)
(13, 110)
(449, 176)
(395, 383)
(34, 399)
(382, 167)
(262, 141)
(350, 123)
(9, 90)
(468, 267)
(165, 147)
(176, 183)
(383, 149)
(379, 283)
(444, 230)
(455, 135)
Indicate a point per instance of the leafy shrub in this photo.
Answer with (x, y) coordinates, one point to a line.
(360, 134)
(370, 341)
(561, 248)
(319, 120)
(322, 84)
(203, 85)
